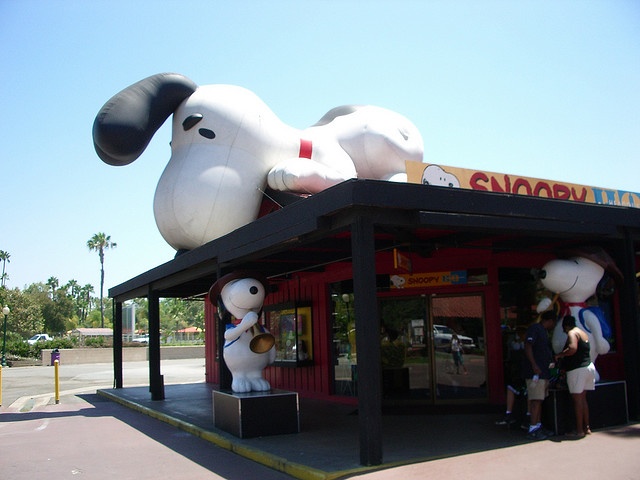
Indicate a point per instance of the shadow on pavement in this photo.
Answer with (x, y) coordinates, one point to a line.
(328, 442)
(219, 461)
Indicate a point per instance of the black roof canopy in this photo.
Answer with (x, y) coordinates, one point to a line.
(314, 231)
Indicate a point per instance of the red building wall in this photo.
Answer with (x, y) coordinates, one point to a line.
(313, 288)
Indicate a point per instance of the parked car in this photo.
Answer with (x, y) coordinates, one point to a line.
(39, 337)
(442, 339)
(141, 339)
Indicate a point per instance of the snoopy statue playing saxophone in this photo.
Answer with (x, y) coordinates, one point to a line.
(227, 146)
(248, 347)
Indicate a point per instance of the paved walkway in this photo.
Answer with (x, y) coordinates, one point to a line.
(414, 446)
(89, 435)
(86, 436)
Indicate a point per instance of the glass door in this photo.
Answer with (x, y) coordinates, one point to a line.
(457, 326)
(432, 347)
(404, 348)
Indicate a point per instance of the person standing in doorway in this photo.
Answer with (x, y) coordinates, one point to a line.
(456, 352)
(538, 356)
(581, 373)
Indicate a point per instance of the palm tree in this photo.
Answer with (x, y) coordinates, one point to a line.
(74, 286)
(85, 302)
(4, 256)
(100, 242)
(53, 284)
(73, 290)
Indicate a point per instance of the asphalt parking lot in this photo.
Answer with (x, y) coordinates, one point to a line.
(36, 385)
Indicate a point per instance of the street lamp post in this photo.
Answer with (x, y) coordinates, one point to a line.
(5, 312)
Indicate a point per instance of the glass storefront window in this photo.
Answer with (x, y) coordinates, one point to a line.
(433, 347)
(416, 333)
(291, 326)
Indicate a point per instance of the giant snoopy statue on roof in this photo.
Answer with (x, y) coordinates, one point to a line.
(227, 146)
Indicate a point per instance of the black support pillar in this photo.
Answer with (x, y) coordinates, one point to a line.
(117, 344)
(224, 374)
(223, 371)
(156, 382)
(630, 317)
(367, 341)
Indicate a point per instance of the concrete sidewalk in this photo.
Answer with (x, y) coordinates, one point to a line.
(414, 446)
(88, 436)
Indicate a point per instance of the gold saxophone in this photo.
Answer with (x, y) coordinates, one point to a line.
(261, 341)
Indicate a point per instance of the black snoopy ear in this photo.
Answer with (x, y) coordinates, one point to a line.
(125, 124)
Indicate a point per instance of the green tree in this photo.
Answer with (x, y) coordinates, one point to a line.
(39, 309)
(53, 283)
(142, 313)
(4, 256)
(58, 312)
(79, 298)
(84, 302)
(99, 243)
(26, 316)
(73, 288)
(94, 317)
(177, 313)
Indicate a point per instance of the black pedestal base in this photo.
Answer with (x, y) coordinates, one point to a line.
(256, 414)
(607, 408)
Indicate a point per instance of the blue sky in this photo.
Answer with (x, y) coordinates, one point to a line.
(547, 89)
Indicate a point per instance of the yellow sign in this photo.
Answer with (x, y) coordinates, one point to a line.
(431, 174)
(431, 279)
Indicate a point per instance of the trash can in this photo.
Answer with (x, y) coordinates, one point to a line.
(55, 355)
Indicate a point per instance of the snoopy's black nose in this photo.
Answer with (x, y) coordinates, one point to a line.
(253, 290)
(538, 273)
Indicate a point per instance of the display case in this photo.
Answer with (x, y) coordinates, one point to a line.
(291, 325)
